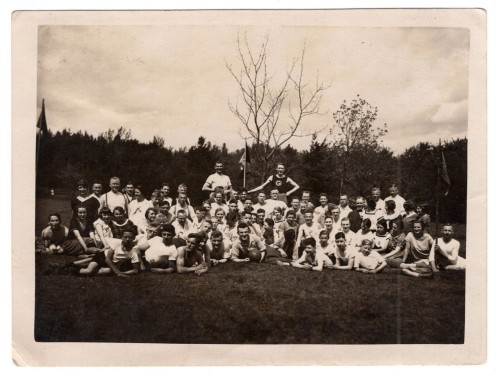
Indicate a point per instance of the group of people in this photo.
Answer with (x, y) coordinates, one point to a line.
(122, 232)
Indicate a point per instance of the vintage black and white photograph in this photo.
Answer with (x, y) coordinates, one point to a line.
(253, 178)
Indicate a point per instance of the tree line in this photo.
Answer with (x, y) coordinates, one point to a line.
(326, 167)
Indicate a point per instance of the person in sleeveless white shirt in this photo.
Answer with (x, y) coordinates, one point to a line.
(444, 252)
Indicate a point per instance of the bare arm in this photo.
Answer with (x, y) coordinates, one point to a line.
(80, 239)
(294, 188)
(337, 265)
(168, 270)
(258, 188)
(379, 268)
(111, 265)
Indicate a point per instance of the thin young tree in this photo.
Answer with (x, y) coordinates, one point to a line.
(354, 130)
(262, 99)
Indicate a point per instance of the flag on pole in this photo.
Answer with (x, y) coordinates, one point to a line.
(444, 173)
(245, 158)
(41, 125)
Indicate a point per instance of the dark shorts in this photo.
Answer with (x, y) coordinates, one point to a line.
(100, 259)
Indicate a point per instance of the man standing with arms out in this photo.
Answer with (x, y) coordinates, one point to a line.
(344, 206)
(379, 203)
(280, 182)
(114, 198)
(393, 191)
(246, 243)
(218, 179)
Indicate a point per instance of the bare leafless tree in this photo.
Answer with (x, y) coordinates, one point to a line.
(261, 100)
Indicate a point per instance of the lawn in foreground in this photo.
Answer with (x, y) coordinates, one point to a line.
(250, 303)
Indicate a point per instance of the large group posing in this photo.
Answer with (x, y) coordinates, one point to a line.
(123, 233)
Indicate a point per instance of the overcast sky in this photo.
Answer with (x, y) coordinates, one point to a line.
(172, 80)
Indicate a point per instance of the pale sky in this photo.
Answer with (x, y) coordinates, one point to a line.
(172, 81)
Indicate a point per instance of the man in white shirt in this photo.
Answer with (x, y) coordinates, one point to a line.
(114, 198)
(393, 191)
(344, 206)
(218, 179)
(274, 201)
(263, 203)
(379, 203)
(320, 211)
(350, 236)
(182, 225)
(182, 205)
(159, 253)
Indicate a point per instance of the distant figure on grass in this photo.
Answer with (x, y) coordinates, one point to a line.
(279, 181)
(444, 252)
(114, 198)
(368, 260)
(85, 199)
(53, 237)
(159, 254)
(246, 244)
(415, 261)
(190, 258)
(218, 179)
(310, 259)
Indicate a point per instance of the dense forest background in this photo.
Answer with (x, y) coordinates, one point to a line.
(65, 157)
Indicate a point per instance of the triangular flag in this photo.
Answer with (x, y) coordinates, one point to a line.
(444, 173)
(245, 158)
(41, 125)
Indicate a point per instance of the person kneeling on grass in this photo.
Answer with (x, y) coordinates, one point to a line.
(159, 254)
(444, 252)
(310, 260)
(190, 258)
(367, 260)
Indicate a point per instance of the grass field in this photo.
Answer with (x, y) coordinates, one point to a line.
(247, 303)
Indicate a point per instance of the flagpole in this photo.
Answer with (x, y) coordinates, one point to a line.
(245, 169)
(39, 136)
(438, 187)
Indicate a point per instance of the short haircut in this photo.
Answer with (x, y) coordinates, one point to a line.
(391, 204)
(323, 194)
(309, 242)
(97, 182)
(290, 213)
(308, 211)
(280, 163)
(279, 209)
(243, 190)
(295, 198)
(447, 224)
(233, 201)
(164, 202)
(261, 210)
(218, 162)
(216, 233)
(56, 214)
(181, 212)
(165, 184)
(151, 209)
(167, 228)
(366, 242)
(408, 206)
(196, 236)
(82, 182)
(242, 226)
(393, 186)
(324, 233)
(370, 202)
(366, 222)
(339, 235)
(261, 192)
(306, 192)
(200, 209)
(382, 223)
(269, 222)
(105, 210)
(119, 209)
(208, 221)
(130, 183)
(345, 219)
(183, 186)
(416, 221)
(220, 210)
(375, 188)
(115, 178)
